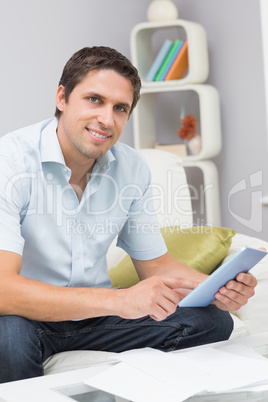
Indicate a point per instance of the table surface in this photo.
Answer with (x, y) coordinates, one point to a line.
(44, 387)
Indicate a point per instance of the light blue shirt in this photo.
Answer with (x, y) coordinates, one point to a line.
(64, 242)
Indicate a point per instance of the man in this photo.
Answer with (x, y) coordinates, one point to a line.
(67, 189)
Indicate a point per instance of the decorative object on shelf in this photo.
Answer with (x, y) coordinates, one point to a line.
(189, 134)
(194, 144)
(177, 149)
(162, 10)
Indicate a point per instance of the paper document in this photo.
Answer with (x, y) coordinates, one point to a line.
(161, 365)
(132, 384)
(149, 375)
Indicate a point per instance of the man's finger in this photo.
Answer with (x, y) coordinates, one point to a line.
(177, 283)
(247, 279)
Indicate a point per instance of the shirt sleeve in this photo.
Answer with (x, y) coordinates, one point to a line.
(11, 205)
(141, 237)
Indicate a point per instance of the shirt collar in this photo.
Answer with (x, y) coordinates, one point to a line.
(50, 146)
(103, 163)
(51, 150)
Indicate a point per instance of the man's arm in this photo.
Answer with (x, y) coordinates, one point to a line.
(230, 297)
(43, 302)
(40, 301)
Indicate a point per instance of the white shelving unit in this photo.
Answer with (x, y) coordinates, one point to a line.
(209, 196)
(146, 40)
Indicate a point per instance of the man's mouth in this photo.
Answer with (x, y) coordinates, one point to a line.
(98, 136)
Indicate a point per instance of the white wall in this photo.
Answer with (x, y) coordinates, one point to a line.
(37, 38)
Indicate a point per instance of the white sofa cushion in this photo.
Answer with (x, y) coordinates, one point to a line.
(170, 188)
(240, 328)
(76, 359)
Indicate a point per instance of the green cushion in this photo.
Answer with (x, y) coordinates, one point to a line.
(200, 247)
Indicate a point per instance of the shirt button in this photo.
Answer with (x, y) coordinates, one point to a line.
(50, 176)
(78, 256)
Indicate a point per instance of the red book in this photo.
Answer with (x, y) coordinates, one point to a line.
(180, 64)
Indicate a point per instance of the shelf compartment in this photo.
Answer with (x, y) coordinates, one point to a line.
(147, 120)
(144, 50)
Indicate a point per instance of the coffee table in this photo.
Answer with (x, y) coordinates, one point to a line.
(53, 388)
(70, 386)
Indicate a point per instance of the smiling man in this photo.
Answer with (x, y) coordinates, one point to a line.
(67, 189)
(92, 120)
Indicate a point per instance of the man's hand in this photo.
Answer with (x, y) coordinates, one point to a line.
(157, 296)
(235, 294)
(230, 297)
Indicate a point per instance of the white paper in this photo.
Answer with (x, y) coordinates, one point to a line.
(226, 371)
(242, 350)
(146, 375)
(161, 365)
(130, 383)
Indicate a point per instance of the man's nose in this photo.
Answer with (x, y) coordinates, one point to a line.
(106, 116)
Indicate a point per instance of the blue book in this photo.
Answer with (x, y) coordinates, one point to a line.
(167, 63)
(159, 60)
(171, 61)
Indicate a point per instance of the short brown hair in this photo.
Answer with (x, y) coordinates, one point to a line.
(98, 58)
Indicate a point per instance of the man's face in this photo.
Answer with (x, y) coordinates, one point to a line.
(93, 119)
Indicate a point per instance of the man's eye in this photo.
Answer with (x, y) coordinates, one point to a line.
(93, 99)
(120, 108)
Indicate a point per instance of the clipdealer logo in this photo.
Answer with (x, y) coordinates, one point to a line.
(45, 195)
(244, 187)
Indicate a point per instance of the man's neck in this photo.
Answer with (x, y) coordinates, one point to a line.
(79, 178)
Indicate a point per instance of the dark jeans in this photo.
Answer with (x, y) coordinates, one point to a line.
(25, 345)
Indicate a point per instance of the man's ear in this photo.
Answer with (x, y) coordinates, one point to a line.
(60, 98)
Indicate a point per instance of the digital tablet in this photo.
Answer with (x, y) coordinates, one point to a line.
(204, 293)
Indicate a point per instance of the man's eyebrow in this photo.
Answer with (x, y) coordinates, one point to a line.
(95, 95)
(88, 94)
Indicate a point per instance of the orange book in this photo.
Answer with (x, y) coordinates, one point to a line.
(180, 64)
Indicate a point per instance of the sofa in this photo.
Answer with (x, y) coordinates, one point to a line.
(174, 210)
